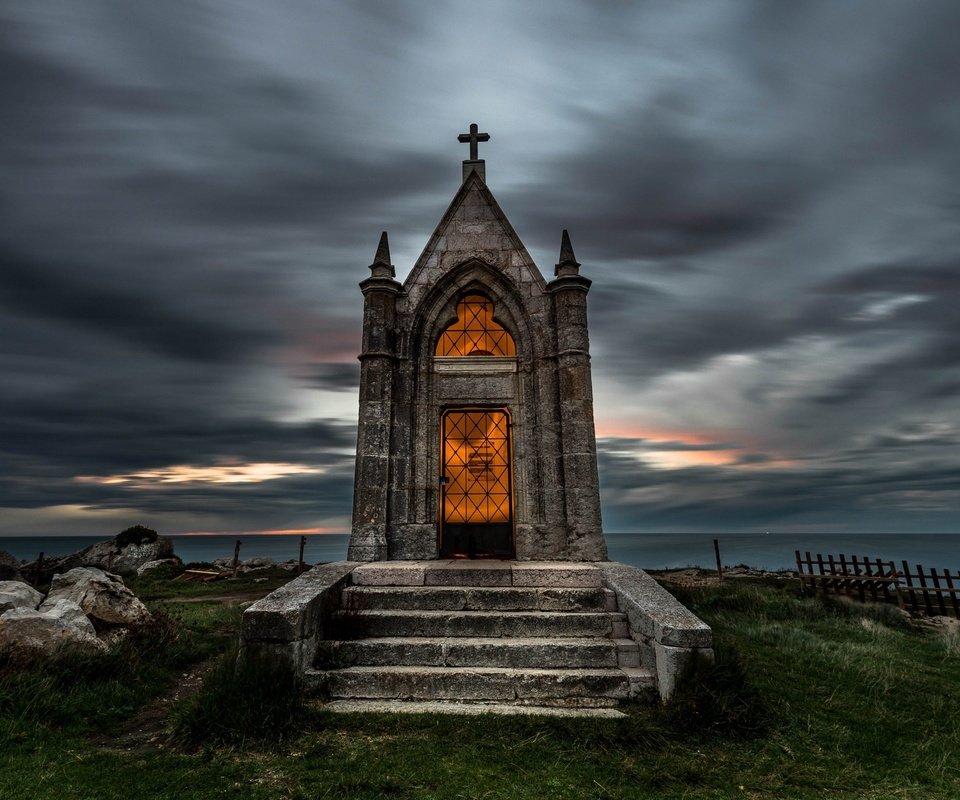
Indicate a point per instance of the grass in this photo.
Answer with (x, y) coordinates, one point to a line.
(252, 700)
(86, 693)
(809, 700)
(157, 585)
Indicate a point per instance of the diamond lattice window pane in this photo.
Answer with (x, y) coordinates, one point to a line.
(475, 332)
(476, 466)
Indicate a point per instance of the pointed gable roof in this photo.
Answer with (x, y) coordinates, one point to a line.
(473, 226)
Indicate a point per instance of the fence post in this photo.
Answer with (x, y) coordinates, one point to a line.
(38, 573)
(847, 583)
(953, 593)
(236, 558)
(716, 552)
(936, 586)
(926, 594)
(896, 585)
(834, 583)
(303, 541)
(822, 571)
(856, 571)
(914, 605)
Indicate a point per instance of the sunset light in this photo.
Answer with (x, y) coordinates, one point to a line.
(184, 473)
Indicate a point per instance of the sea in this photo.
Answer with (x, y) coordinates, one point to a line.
(770, 551)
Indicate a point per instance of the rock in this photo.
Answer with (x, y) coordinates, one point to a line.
(150, 566)
(9, 567)
(102, 596)
(249, 565)
(124, 558)
(17, 594)
(62, 625)
(69, 612)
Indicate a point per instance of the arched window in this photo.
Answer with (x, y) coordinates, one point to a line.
(475, 333)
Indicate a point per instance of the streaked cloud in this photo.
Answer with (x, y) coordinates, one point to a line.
(764, 195)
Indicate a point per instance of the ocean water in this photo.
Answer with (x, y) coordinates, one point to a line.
(650, 550)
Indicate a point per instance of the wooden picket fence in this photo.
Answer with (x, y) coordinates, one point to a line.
(920, 590)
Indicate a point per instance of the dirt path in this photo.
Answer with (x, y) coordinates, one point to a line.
(227, 599)
(147, 729)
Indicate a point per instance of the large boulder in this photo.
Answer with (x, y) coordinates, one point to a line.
(160, 563)
(102, 596)
(124, 553)
(60, 626)
(16, 594)
(9, 567)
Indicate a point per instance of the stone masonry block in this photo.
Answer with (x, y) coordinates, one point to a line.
(556, 574)
(480, 573)
(652, 611)
(671, 662)
(390, 573)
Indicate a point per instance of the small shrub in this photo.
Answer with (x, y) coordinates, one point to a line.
(256, 699)
(165, 572)
(951, 640)
(717, 698)
(138, 534)
(845, 608)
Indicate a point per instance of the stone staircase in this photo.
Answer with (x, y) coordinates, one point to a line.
(475, 636)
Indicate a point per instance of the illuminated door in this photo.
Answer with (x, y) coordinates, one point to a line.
(477, 495)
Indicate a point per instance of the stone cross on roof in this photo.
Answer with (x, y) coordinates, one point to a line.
(473, 137)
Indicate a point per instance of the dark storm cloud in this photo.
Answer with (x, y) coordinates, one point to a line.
(641, 498)
(193, 190)
(335, 377)
(64, 294)
(107, 437)
(658, 191)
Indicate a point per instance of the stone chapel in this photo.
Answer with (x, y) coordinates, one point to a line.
(476, 442)
(476, 433)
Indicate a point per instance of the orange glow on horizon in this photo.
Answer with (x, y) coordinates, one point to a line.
(278, 532)
(660, 456)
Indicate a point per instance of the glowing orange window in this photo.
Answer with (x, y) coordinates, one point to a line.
(475, 333)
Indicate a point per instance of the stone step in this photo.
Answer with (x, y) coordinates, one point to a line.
(466, 709)
(478, 573)
(573, 653)
(584, 687)
(466, 598)
(480, 623)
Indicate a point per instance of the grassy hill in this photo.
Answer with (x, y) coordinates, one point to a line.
(809, 699)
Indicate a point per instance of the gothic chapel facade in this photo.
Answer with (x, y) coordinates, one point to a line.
(476, 434)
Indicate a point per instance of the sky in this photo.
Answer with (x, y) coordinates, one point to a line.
(765, 195)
